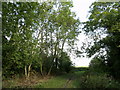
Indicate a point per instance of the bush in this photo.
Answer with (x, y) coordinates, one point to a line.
(65, 64)
(97, 65)
(95, 81)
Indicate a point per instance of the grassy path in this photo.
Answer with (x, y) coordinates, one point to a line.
(70, 80)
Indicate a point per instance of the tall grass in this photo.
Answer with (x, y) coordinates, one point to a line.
(98, 81)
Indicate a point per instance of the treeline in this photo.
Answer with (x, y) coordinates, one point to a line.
(103, 31)
(80, 68)
(103, 27)
(34, 36)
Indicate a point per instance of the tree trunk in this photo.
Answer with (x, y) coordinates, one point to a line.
(50, 70)
(41, 69)
(63, 44)
(29, 69)
(26, 71)
(56, 62)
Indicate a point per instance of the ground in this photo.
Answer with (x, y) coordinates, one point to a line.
(68, 80)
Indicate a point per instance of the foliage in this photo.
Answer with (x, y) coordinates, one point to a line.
(97, 66)
(16, 35)
(64, 62)
(98, 81)
(103, 27)
(34, 36)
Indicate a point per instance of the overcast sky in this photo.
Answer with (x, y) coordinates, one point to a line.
(81, 8)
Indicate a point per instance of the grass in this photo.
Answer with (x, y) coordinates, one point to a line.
(55, 82)
(76, 79)
(75, 82)
(21, 82)
(100, 80)
(68, 80)
(62, 81)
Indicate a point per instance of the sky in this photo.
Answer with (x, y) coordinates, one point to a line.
(81, 8)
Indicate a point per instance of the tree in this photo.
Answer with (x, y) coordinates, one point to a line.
(97, 66)
(35, 34)
(56, 30)
(18, 26)
(104, 19)
(65, 63)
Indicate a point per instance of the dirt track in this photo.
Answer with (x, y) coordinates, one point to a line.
(68, 81)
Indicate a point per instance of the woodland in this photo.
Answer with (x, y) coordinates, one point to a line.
(38, 38)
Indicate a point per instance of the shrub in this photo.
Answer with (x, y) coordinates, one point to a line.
(97, 65)
(98, 81)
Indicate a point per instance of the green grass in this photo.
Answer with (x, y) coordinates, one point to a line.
(60, 81)
(56, 82)
(78, 79)
(100, 80)
(75, 82)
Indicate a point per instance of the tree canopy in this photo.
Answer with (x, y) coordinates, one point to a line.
(34, 36)
(104, 27)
